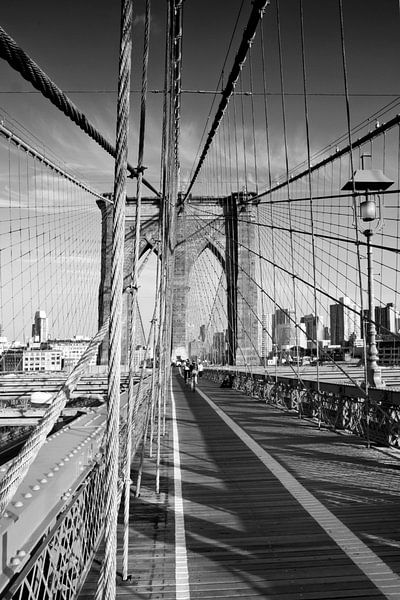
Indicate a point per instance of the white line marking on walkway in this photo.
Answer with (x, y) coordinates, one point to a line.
(374, 568)
(181, 564)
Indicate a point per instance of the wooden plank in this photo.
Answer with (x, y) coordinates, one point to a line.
(250, 492)
(246, 535)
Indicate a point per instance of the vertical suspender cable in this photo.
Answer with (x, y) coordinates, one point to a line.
(175, 181)
(132, 401)
(162, 381)
(163, 165)
(350, 145)
(309, 184)
(266, 117)
(243, 134)
(287, 178)
(166, 159)
(258, 212)
(253, 121)
(236, 142)
(396, 287)
(157, 373)
(225, 188)
(106, 589)
(256, 15)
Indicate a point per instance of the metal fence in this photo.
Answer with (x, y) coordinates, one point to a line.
(376, 418)
(58, 566)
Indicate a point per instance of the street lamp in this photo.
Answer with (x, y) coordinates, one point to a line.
(369, 182)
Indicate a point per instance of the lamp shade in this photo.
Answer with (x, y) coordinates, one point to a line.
(368, 180)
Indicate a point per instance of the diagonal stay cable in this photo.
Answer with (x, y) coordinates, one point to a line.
(21, 62)
(256, 15)
(216, 92)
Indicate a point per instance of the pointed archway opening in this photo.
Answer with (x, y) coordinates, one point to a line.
(207, 317)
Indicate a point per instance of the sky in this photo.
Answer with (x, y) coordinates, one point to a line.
(77, 46)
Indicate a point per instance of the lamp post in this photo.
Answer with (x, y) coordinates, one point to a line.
(369, 182)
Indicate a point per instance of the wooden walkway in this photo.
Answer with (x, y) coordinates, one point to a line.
(271, 508)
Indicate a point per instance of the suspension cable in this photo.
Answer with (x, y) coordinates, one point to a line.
(283, 105)
(350, 146)
(310, 190)
(106, 588)
(257, 12)
(298, 327)
(133, 399)
(21, 62)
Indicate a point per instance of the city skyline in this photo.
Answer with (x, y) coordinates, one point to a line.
(348, 330)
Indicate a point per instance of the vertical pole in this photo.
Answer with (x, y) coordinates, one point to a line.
(373, 371)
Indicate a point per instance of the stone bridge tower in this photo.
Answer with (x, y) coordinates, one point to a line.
(232, 241)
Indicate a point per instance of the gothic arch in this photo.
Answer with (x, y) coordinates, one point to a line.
(232, 248)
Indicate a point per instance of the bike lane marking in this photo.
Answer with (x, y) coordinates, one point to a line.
(181, 561)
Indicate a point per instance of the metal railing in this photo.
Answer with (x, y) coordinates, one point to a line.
(57, 567)
(375, 418)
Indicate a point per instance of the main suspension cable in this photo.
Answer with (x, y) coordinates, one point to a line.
(21, 62)
(256, 15)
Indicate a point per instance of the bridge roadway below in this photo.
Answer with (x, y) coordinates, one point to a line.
(255, 503)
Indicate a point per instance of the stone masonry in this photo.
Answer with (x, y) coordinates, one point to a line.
(196, 232)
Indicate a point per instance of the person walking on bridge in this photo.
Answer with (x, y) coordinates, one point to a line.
(201, 367)
(186, 370)
(193, 375)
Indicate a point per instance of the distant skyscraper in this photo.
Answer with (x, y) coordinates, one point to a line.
(265, 335)
(285, 329)
(314, 329)
(385, 319)
(218, 347)
(344, 321)
(39, 327)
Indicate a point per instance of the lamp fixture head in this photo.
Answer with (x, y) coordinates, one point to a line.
(368, 210)
(368, 180)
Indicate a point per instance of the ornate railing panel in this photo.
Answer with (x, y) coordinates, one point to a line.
(55, 570)
(57, 566)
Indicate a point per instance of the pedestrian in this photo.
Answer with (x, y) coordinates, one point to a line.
(201, 367)
(193, 374)
(186, 370)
